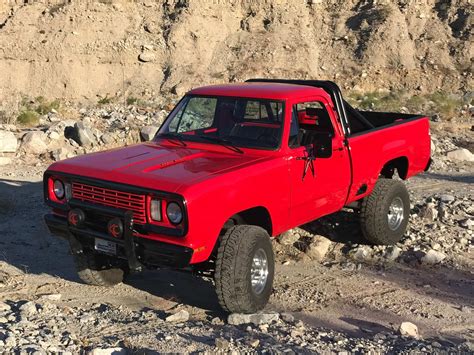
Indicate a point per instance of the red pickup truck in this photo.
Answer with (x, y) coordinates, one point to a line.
(232, 166)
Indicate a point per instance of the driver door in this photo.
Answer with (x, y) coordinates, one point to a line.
(320, 186)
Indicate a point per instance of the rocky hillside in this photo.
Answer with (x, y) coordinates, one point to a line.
(87, 50)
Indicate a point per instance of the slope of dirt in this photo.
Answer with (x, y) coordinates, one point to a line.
(79, 49)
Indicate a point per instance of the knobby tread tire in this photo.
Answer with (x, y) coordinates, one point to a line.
(91, 272)
(374, 209)
(233, 264)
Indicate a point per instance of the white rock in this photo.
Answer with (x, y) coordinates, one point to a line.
(28, 308)
(318, 248)
(461, 154)
(467, 223)
(34, 142)
(146, 57)
(108, 351)
(447, 198)
(83, 135)
(429, 212)
(54, 135)
(8, 142)
(147, 133)
(361, 253)
(288, 238)
(409, 330)
(52, 297)
(179, 317)
(256, 318)
(433, 257)
(5, 161)
(392, 253)
(61, 154)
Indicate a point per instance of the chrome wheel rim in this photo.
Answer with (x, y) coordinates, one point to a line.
(259, 271)
(395, 213)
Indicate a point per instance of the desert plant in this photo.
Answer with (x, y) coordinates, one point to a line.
(28, 118)
(104, 100)
(44, 107)
(131, 100)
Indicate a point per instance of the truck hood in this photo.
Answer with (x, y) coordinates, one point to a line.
(154, 166)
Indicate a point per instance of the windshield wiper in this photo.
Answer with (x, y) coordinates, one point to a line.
(173, 136)
(224, 142)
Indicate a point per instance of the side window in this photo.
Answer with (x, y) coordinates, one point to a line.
(311, 120)
(198, 114)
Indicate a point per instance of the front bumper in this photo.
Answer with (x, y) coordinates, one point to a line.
(137, 251)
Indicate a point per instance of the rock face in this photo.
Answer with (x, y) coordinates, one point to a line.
(461, 154)
(409, 330)
(35, 142)
(8, 142)
(148, 132)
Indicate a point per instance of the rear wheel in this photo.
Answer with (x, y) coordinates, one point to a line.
(99, 270)
(244, 269)
(385, 212)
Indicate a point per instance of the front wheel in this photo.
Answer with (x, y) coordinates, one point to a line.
(245, 267)
(99, 270)
(385, 212)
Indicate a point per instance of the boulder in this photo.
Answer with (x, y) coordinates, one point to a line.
(408, 329)
(81, 134)
(432, 257)
(35, 142)
(392, 253)
(461, 154)
(447, 198)
(256, 318)
(179, 317)
(467, 223)
(8, 142)
(429, 212)
(28, 308)
(109, 137)
(318, 248)
(147, 56)
(361, 253)
(147, 133)
(61, 154)
(288, 238)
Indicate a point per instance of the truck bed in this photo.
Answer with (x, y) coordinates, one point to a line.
(362, 121)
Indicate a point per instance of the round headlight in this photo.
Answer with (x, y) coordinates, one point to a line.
(174, 213)
(58, 188)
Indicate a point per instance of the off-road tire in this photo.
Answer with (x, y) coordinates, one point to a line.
(375, 209)
(233, 269)
(99, 270)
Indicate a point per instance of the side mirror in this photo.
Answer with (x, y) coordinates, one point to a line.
(322, 148)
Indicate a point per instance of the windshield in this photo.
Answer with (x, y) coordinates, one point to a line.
(231, 121)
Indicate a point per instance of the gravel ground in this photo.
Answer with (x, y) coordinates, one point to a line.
(332, 291)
